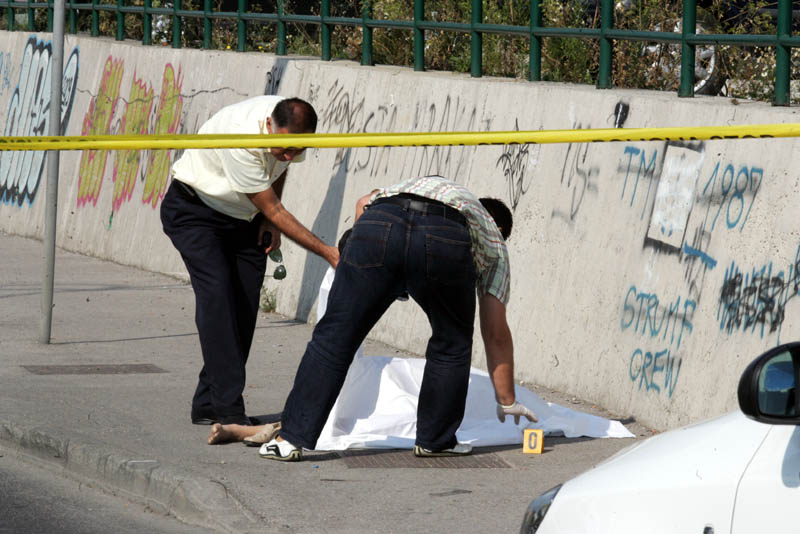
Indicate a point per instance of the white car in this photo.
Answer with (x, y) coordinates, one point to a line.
(738, 473)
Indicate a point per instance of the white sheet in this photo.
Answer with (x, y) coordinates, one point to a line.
(377, 407)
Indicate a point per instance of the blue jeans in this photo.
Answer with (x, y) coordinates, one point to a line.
(391, 251)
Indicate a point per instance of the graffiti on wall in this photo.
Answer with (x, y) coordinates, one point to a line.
(344, 111)
(455, 115)
(687, 209)
(663, 180)
(578, 177)
(5, 72)
(274, 77)
(140, 115)
(29, 115)
(515, 161)
(97, 121)
(638, 168)
(621, 111)
(698, 262)
(754, 300)
(135, 120)
(733, 189)
(663, 324)
(167, 121)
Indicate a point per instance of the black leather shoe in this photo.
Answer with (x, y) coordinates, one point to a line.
(206, 416)
(203, 416)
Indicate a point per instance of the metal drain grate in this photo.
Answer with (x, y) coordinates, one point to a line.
(406, 459)
(94, 369)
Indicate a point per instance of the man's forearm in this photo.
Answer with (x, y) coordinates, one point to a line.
(294, 230)
(499, 347)
(273, 209)
(500, 363)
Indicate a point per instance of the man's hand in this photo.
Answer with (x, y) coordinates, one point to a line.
(269, 237)
(516, 410)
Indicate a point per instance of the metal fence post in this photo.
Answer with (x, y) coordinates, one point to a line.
(366, 35)
(73, 19)
(783, 64)
(147, 23)
(120, 21)
(476, 40)
(177, 24)
(535, 52)
(419, 35)
(688, 27)
(241, 25)
(206, 24)
(281, 51)
(10, 17)
(604, 67)
(31, 18)
(51, 198)
(95, 19)
(325, 12)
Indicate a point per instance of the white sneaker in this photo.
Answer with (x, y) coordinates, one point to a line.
(461, 449)
(280, 450)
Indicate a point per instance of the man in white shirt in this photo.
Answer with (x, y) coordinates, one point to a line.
(224, 215)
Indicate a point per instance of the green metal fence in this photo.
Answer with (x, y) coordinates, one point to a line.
(782, 41)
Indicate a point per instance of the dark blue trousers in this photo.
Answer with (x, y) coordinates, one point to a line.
(226, 267)
(392, 250)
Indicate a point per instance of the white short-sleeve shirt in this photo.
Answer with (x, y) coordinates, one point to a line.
(222, 177)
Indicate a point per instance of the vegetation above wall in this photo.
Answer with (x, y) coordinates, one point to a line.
(734, 71)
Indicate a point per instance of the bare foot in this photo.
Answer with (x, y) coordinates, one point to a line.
(225, 433)
(219, 434)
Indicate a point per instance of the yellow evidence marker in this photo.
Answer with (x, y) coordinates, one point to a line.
(533, 440)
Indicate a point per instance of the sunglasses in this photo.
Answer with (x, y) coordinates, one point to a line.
(280, 271)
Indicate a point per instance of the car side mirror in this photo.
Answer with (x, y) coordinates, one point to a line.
(768, 389)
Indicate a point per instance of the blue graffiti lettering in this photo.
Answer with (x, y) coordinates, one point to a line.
(734, 185)
(707, 260)
(641, 308)
(658, 363)
(644, 169)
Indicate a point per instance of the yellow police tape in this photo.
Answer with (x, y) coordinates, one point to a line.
(184, 141)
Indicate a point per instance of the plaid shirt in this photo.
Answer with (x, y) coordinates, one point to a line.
(488, 247)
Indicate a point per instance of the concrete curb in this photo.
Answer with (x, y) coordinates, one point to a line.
(208, 503)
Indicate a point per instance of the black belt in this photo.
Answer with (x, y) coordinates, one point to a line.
(423, 206)
(186, 188)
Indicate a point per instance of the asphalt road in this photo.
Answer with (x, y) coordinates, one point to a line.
(36, 500)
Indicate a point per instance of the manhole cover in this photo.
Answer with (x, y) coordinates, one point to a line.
(406, 459)
(94, 369)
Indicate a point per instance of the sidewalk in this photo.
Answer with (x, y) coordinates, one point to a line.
(131, 433)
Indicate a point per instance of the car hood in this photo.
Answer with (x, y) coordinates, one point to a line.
(679, 481)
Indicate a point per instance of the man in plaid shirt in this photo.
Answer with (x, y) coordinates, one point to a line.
(433, 239)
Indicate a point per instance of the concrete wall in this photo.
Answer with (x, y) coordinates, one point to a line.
(645, 275)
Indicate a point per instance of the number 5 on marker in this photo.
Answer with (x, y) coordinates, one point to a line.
(533, 438)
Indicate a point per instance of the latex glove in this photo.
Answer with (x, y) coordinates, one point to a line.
(516, 410)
